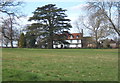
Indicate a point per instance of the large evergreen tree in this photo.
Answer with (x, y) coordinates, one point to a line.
(22, 41)
(50, 20)
(30, 40)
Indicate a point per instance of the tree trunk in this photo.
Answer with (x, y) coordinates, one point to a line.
(96, 39)
(50, 41)
(11, 32)
(6, 45)
(50, 46)
(11, 42)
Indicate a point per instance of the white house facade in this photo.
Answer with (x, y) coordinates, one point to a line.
(73, 40)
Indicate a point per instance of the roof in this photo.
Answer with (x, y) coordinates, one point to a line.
(74, 36)
(108, 40)
(69, 36)
(112, 41)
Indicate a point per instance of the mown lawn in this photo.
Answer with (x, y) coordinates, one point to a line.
(59, 64)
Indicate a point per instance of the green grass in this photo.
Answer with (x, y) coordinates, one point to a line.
(59, 64)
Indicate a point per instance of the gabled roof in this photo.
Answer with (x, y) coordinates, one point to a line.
(112, 41)
(108, 40)
(74, 36)
(70, 36)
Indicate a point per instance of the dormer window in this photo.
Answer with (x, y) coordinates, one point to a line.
(71, 36)
(77, 36)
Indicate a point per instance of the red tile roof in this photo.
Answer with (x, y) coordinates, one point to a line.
(71, 36)
(74, 36)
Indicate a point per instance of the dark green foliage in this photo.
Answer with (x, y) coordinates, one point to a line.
(30, 40)
(50, 21)
(60, 38)
(22, 41)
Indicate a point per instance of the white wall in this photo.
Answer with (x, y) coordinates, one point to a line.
(72, 46)
(79, 45)
(75, 46)
(58, 46)
(74, 41)
(113, 45)
(68, 41)
(79, 41)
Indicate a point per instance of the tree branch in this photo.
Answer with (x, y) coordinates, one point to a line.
(112, 24)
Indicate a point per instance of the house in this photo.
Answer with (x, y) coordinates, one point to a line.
(113, 44)
(71, 40)
(108, 43)
(88, 42)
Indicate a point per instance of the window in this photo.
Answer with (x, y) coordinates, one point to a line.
(76, 45)
(70, 41)
(77, 36)
(71, 36)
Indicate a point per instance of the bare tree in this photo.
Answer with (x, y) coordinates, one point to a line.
(9, 9)
(96, 24)
(106, 8)
(98, 27)
(6, 41)
(100, 19)
(9, 29)
(6, 5)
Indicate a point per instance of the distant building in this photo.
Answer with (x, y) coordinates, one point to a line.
(113, 44)
(88, 42)
(72, 40)
(109, 43)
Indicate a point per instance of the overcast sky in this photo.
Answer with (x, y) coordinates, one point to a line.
(74, 9)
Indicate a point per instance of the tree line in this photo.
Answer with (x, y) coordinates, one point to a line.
(102, 19)
(8, 23)
(50, 20)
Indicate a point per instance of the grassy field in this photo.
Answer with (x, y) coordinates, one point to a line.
(59, 64)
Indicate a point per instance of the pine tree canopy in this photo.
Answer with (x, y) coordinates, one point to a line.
(49, 20)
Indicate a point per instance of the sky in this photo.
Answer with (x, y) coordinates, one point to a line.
(74, 9)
